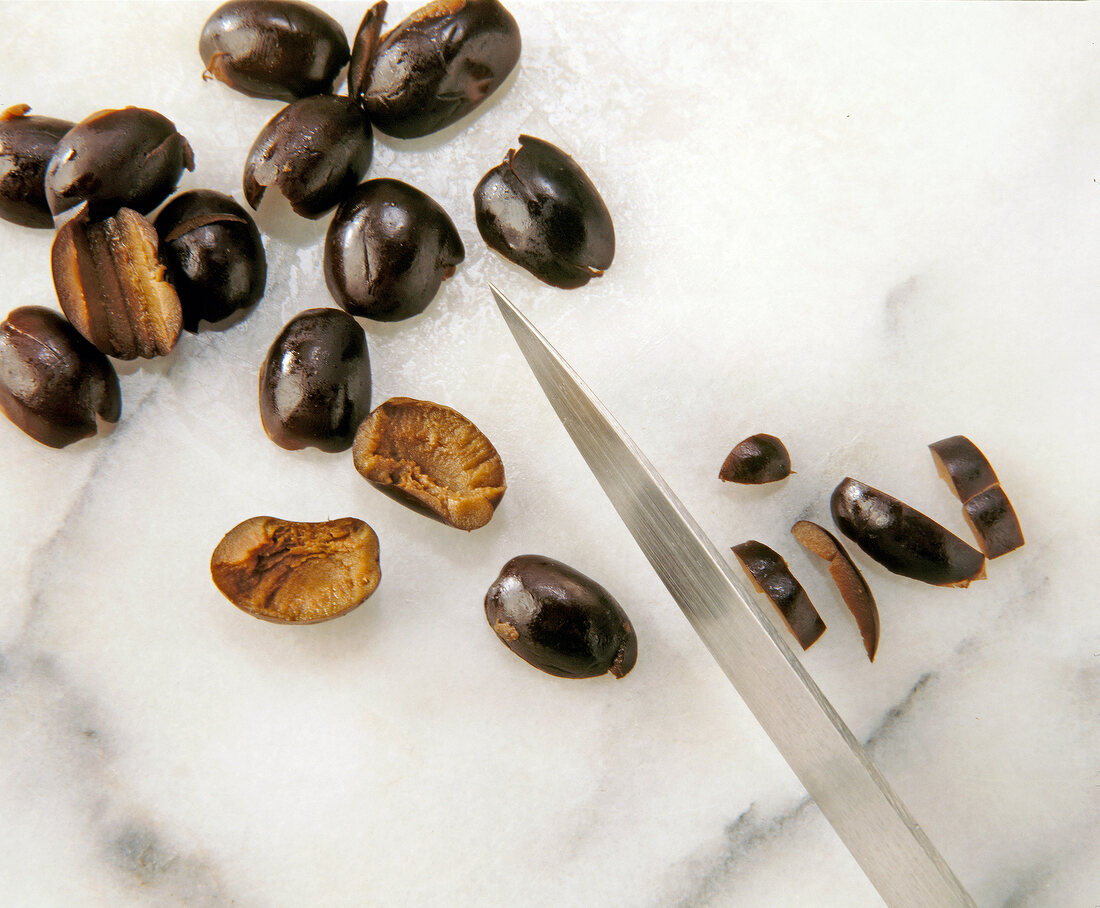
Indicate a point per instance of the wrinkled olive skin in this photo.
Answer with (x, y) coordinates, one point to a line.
(26, 146)
(314, 151)
(315, 383)
(388, 248)
(213, 254)
(129, 158)
(273, 48)
(53, 383)
(559, 620)
(540, 210)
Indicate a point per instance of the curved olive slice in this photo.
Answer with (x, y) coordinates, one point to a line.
(53, 383)
(771, 576)
(432, 459)
(128, 158)
(273, 48)
(363, 49)
(388, 248)
(26, 146)
(297, 573)
(541, 211)
(314, 151)
(559, 620)
(962, 466)
(111, 285)
(213, 254)
(853, 588)
(315, 383)
(436, 66)
(902, 539)
(756, 460)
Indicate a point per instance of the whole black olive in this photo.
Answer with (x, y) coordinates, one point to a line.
(130, 158)
(26, 146)
(53, 383)
(273, 48)
(388, 248)
(435, 66)
(540, 210)
(314, 151)
(213, 254)
(559, 620)
(315, 382)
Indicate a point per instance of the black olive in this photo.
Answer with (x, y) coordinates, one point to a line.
(388, 248)
(540, 210)
(559, 620)
(53, 383)
(273, 48)
(435, 66)
(771, 576)
(314, 151)
(315, 382)
(26, 146)
(756, 460)
(213, 254)
(130, 158)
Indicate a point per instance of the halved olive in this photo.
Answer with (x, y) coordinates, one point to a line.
(756, 460)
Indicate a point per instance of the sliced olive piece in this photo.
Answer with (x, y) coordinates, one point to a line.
(297, 573)
(560, 621)
(994, 522)
(853, 588)
(432, 459)
(363, 49)
(770, 575)
(757, 460)
(902, 539)
(26, 145)
(962, 466)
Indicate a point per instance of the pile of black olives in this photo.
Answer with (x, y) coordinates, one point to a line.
(128, 286)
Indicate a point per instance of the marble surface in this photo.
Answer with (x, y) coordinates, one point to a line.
(859, 227)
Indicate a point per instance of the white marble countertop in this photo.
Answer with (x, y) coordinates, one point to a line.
(861, 228)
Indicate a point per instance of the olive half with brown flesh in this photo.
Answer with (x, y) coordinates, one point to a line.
(559, 620)
(26, 145)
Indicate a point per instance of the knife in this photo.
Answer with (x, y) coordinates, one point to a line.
(871, 820)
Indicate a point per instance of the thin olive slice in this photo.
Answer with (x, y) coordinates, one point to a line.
(771, 576)
(962, 466)
(756, 460)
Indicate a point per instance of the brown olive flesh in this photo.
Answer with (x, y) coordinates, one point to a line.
(213, 255)
(297, 573)
(559, 620)
(273, 48)
(388, 248)
(853, 588)
(771, 576)
(111, 285)
(540, 210)
(756, 460)
(128, 158)
(434, 67)
(53, 383)
(432, 459)
(901, 538)
(994, 522)
(26, 145)
(315, 384)
(314, 151)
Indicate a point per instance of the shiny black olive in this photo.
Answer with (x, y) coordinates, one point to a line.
(273, 48)
(314, 151)
(756, 460)
(130, 158)
(435, 66)
(53, 383)
(540, 210)
(315, 383)
(559, 620)
(213, 254)
(388, 248)
(26, 146)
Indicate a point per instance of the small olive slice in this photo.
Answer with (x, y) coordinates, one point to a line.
(297, 573)
(432, 459)
(26, 145)
(962, 466)
(560, 621)
(770, 575)
(111, 285)
(756, 460)
(902, 539)
(853, 588)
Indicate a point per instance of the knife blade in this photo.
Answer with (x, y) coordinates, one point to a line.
(853, 795)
